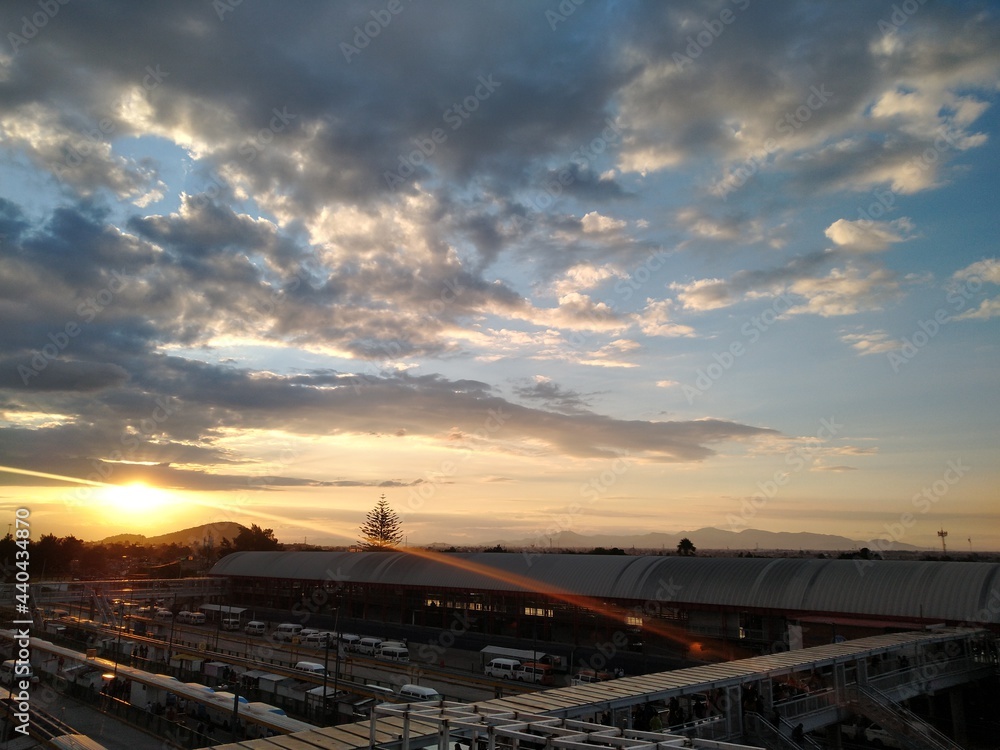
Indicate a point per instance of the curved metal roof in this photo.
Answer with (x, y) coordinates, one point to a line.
(948, 591)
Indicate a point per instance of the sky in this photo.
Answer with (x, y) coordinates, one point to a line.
(521, 267)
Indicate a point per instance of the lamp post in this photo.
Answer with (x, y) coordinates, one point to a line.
(326, 660)
(236, 707)
(121, 627)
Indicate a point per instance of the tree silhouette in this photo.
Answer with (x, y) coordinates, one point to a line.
(381, 529)
(255, 538)
(685, 547)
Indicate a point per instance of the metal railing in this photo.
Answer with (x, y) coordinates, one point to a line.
(760, 729)
(890, 715)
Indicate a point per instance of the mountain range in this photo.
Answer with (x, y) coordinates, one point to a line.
(709, 538)
(195, 535)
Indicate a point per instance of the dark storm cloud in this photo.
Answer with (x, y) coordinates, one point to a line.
(553, 396)
(60, 375)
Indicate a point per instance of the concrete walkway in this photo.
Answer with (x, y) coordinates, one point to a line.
(108, 730)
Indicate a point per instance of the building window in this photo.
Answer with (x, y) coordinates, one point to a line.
(538, 612)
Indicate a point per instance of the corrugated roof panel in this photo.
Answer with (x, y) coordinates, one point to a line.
(952, 591)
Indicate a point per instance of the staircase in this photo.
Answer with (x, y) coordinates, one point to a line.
(912, 731)
(105, 610)
(761, 731)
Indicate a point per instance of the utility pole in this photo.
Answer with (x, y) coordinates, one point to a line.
(944, 547)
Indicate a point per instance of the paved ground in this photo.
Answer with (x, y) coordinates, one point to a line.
(109, 731)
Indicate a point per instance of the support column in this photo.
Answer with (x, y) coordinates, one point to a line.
(836, 740)
(840, 682)
(957, 697)
(734, 710)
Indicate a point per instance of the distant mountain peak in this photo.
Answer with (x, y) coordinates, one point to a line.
(707, 538)
(215, 532)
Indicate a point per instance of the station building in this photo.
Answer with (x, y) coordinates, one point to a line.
(669, 602)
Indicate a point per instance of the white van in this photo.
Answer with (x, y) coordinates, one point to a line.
(419, 693)
(311, 667)
(350, 641)
(505, 669)
(191, 618)
(163, 615)
(368, 645)
(319, 640)
(231, 623)
(286, 631)
(255, 627)
(394, 653)
(535, 672)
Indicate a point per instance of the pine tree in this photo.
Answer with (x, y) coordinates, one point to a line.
(685, 547)
(381, 529)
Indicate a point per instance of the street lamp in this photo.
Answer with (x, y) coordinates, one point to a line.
(326, 660)
(121, 626)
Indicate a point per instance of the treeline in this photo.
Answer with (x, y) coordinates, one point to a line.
(53, 557)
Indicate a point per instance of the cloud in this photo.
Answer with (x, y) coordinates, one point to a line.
(596, 223)
(655, 320)
(45, 373)
(986, 310)
(872, 342)
(986, 270)
(846, 291)
(866, 236)
(553, 396)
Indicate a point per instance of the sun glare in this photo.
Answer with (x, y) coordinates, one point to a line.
(135, 498)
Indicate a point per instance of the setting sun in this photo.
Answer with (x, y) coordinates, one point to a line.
(134, 498)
